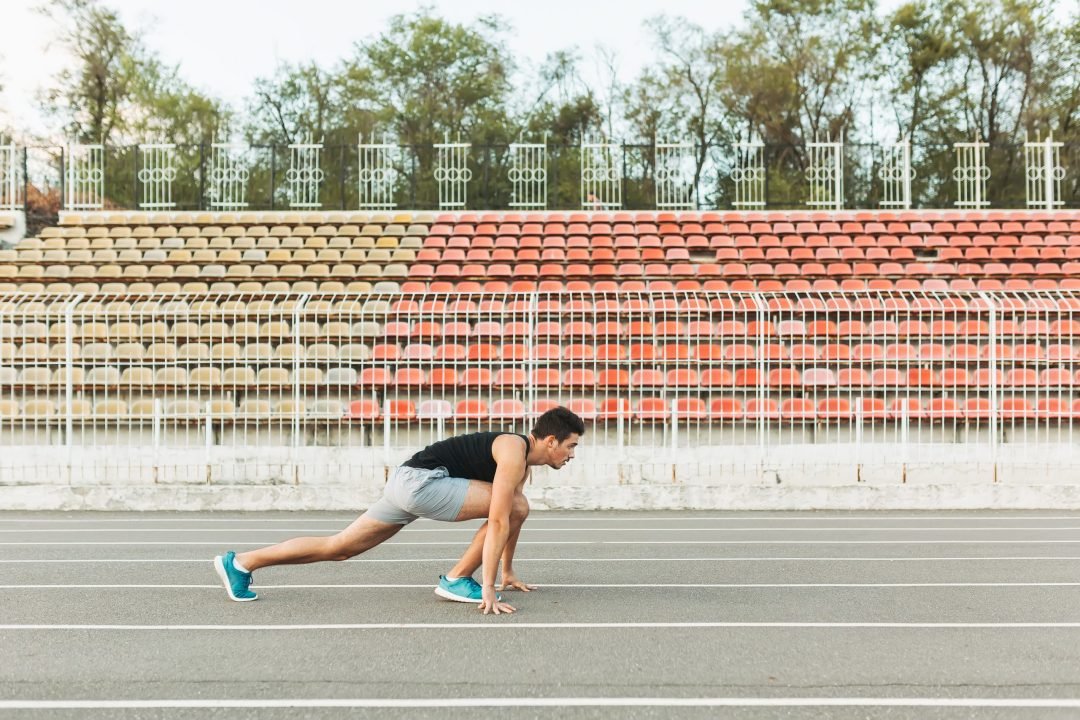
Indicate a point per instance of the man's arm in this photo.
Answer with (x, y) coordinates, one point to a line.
(508, 451)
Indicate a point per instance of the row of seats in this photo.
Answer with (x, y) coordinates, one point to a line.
(647, 409)
(839, 353)
(593, 246)
(1061, 328)
(244, 377)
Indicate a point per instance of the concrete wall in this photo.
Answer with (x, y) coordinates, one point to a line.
(275, 478)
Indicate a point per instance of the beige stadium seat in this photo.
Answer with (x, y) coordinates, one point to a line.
(403, 256)
(184, 409)
(329, 256)
(204, 256)
(317, 270)
(258, 351)
(245, 329)
(137, 377)
(110, 409)
(193, 351)
(221, 244)
(59, 351)
(79, 408)
(290, 351)
(93, 332)
(271, 244)
(171, 376)
(206, 377)
(31, 272)
(8, 375)
(97, 352)
(255, 230)
(228, 257)
(343, 270)
(142, 407)
(304, 255)
(163, 351)
(386, 287)
(264, 271)
(131, 351)
(35, 376)
(289, 408)
(395, 270)
(274, 330)
(238, 272)
(80, 256)
(379, 255)
(185, 330)
(354, 255)
(57, 288)
(59, 331)
(411, 243)
(9, 409)
(254, 409)
(39, 409)
(322, 352)
(239, 377)
(291, 270)
(277, 286)
(369, 270)
(165, 231)
(155, 330)
(210, 331)
(83, 272)
(104, 255)
(387, 243)
(186, 272)
(280, 231)
(308, 376)
(77, 375)
(32, 331)
(243, 243)
(127, 244)
(33, 352)
(212, 271)
(120, 232)
(224, 409)
(307, 328)
(341, 376)
(354, 352)
(165, 288)
(305, 286)
(224, 351)
(103, 376)
(337, 329)
(273, 376)
(349, 230)
(253, 256)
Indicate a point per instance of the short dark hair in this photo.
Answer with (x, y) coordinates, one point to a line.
(560, 422)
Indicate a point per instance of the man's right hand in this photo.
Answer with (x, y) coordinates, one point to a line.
(490, 603)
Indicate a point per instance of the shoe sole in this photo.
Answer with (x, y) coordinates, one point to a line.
(446, 594)
(219, 566)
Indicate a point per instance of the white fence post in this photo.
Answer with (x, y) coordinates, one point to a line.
(452, 173)
(8, 188)
(228, 177)
(377, 174)
(826, 174)
(156, 175)
(601, 176)
(971, 174)
(749, 175)
(305, 175)
(528, 175)
(84, 177)
(896, 175)
(674, 164)
(1043, 173)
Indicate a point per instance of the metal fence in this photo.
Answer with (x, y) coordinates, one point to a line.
(819, 378)
(720, 177)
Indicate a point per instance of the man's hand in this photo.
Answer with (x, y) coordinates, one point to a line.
(510, 581)
(489, 603)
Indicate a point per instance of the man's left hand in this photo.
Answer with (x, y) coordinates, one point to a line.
(512, 582)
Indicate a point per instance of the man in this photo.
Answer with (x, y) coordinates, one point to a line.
(479, 475)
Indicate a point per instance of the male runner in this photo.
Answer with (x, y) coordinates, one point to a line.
(479, 475)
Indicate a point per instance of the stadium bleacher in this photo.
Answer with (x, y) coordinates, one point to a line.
(797, 317)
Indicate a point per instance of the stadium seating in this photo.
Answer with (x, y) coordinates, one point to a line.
(647, 317)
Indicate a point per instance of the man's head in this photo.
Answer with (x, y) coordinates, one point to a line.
(557, 432)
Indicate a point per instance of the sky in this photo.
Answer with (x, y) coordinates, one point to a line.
(222, 46)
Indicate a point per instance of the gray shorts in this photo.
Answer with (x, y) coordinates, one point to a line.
(413, 492)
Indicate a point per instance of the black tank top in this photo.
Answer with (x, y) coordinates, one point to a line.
(465, 456)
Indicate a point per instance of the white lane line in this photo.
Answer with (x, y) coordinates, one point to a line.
(530, 528)
(807, 702)
(458, 543)
(619, 516)
(666, 586)
(480, 623)
(750, 558)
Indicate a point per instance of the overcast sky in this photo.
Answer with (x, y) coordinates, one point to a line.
(221, 46)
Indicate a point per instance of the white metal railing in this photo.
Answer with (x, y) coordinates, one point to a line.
(826, 378)
(825, 174)
(156, 175)
(748, 174)
(9, 197)
(228, 177)
(452, 173)
(376, 174)
(674, 175)
(1043, 173)
(896, 175)
(528, 175)
(84, 177)
(971, 174)
(601, 176)
(305, 175)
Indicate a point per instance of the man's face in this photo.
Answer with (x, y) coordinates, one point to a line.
(560, 453)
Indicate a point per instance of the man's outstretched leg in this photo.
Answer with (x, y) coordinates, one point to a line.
(362, 535)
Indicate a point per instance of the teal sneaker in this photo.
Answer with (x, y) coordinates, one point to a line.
(236, 582)
(464, 590)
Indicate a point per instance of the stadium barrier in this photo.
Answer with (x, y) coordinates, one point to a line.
(277, 388)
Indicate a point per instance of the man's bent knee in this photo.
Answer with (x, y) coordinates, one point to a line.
(519, 510)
